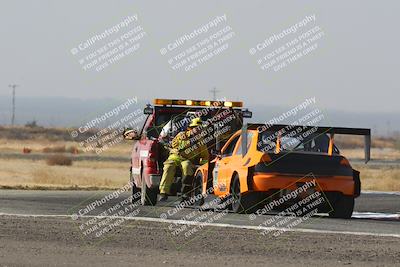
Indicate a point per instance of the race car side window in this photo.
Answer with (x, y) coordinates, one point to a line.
(239, 149)
(266, 141)
(231, 146)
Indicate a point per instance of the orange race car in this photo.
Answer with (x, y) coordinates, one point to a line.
(261, 163)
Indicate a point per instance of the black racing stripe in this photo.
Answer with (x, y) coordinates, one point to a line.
(303, 163)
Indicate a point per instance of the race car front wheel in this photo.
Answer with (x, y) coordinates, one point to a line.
(342, 207)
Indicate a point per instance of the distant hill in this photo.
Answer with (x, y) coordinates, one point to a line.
(73, 112)
(59, 111)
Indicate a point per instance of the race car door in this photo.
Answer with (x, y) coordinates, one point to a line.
(222, 170)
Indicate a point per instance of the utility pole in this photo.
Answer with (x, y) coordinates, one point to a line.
(13, 86)
(214, 92)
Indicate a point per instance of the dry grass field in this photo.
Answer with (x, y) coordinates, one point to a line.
(376, 153)
(37, 146)
(380, 179)
(36, 174)
(28, 174)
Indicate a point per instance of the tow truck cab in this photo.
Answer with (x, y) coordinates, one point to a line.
(148, 152)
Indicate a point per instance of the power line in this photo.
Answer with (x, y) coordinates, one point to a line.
(13, 86)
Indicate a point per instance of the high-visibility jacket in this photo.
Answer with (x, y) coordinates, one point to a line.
(183, 149)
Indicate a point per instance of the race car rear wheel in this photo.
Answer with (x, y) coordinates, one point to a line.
(240, 203)
(342, 207)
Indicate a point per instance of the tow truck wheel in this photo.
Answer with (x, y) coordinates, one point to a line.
(135, 190)
(342, 207)
(135, 193)
(240, 203)
(148, 196)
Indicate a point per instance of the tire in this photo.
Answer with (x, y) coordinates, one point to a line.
(342, 207)
(198, 189)
(357, 183)
(241, 203)
(135, 190)
(135, 193)
(148, 196)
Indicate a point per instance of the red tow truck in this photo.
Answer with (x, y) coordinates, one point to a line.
(164, 119)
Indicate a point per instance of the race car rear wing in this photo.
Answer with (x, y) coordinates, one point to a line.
(287, 128)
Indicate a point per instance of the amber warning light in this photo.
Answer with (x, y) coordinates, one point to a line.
(185, 102)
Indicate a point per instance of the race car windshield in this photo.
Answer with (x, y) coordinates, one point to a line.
(316, 143)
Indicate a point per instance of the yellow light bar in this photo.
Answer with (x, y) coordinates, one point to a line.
(162, 102)
(228, 104)
(183, 102)
(179, 102)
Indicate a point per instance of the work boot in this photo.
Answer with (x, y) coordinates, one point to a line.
(163, 198)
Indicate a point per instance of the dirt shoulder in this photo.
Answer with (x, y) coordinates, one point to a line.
(49, 241)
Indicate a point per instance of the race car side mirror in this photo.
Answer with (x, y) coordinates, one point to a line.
(130, 134)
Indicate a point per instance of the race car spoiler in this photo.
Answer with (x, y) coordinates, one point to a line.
(287, 128)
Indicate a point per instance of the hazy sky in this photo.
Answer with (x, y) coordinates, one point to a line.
(355, 67)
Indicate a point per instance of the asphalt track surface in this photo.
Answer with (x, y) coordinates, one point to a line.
(40, 228)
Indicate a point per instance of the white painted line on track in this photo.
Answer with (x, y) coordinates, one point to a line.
(380, 192)
(375, 215)
(223, 225)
